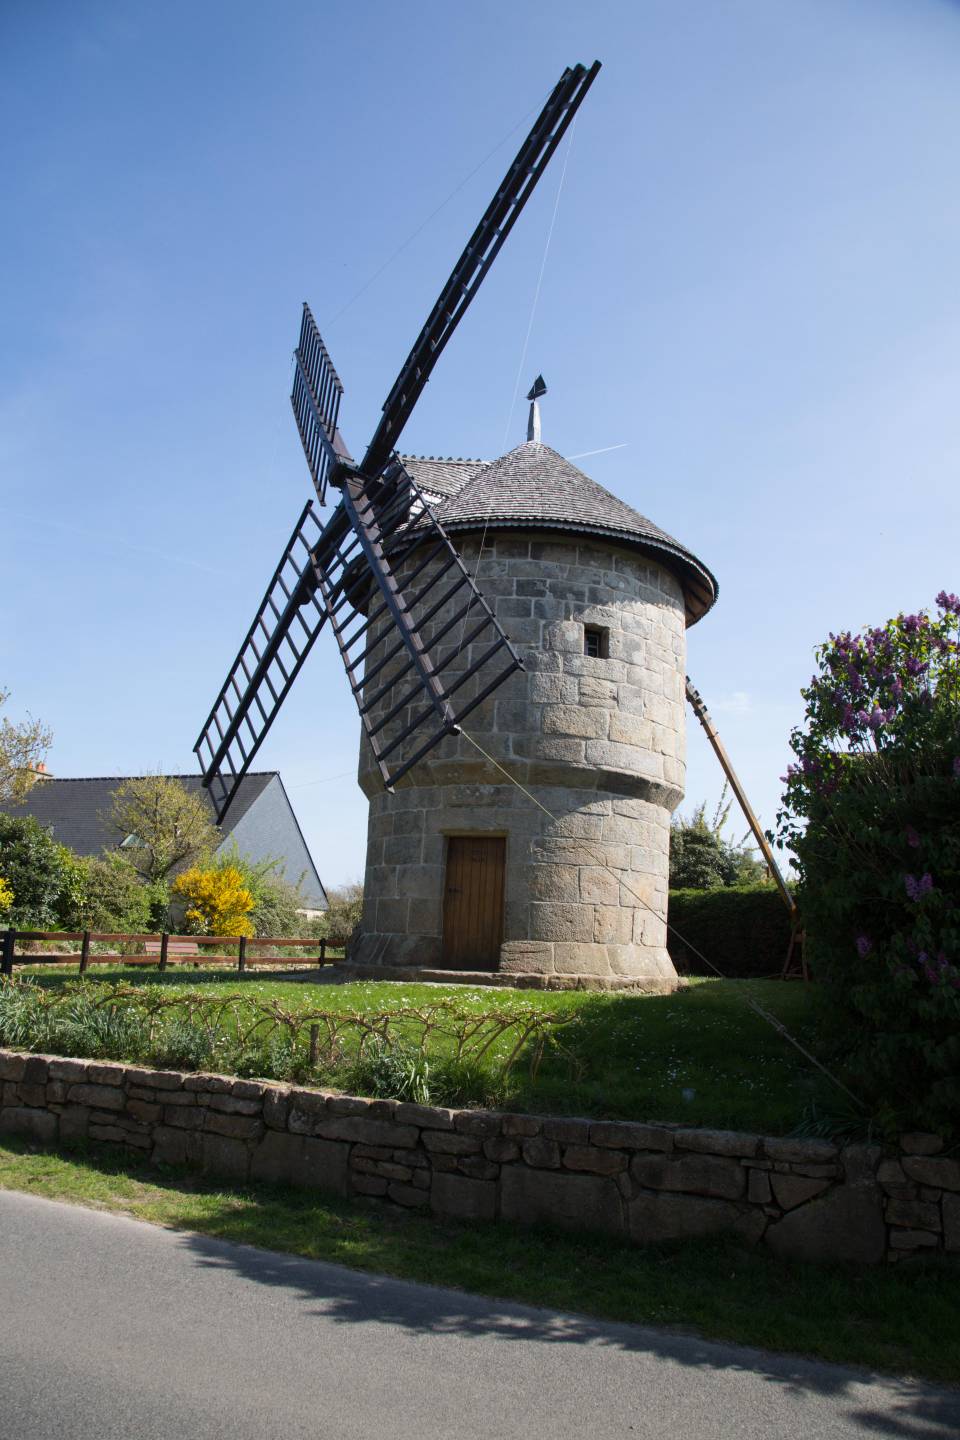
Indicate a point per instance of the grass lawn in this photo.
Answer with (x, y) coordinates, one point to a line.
(904, 1319)
(699, 1057)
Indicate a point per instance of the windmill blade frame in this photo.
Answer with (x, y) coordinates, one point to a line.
(266, 665)
(315, 398)
(420, 645)
(381, 521)
(481, 250)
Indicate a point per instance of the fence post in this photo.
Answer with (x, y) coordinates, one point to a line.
(242, 957)
(323, 951)
(6, 967)
(84, 951)
(164, 942)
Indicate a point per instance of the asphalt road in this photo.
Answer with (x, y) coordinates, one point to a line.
(115, 1330)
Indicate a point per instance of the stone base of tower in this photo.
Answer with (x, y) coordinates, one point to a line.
(346, 971)
(578, 888)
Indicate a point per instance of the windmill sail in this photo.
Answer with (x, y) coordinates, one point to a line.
(481, 250)
(315, 398)
(286, 624)
(420, 645)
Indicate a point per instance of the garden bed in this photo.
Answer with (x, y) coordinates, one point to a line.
(699, 1057)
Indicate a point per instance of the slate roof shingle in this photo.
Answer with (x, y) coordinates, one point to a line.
(78, 810)
(533, 485)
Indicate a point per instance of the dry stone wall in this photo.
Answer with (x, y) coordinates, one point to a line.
(808, 1199)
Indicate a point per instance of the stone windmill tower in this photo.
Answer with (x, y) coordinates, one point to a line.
(564, 882)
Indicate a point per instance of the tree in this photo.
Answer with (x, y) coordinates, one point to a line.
(35, 868)
(218, 902)
(344, 909)
(22, 749)
(700, 857)
(162, 824)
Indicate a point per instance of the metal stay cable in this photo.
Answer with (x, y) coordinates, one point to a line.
(523, 352)
(752, 1004)
(537, 287)
(432, 216)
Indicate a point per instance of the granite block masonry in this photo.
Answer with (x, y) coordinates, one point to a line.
(562, 883)
(806, 1199)
(597, 741)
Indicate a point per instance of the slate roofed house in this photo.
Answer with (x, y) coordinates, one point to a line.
(260, 822)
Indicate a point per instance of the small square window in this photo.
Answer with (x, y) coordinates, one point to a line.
(596, 642)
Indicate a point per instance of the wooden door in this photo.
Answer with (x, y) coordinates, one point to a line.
(473, 901)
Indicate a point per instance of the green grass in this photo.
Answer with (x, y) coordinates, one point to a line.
(903, 1319)
(700, 1056)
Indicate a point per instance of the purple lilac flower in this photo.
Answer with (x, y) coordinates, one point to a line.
(950, 603)
(864, 946)
(956, 767)
(915, 666)
(916, 889)
(911, 623)
(913, 838)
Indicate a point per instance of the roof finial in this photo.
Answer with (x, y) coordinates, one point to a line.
(537, 389)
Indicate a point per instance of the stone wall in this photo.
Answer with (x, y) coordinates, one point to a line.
(599, 743)
(808, 1199)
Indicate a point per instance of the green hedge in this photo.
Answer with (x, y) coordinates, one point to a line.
(743, 929)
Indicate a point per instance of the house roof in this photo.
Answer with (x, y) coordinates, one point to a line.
(78, 811)
(534, 487)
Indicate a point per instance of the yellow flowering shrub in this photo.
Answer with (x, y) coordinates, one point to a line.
(6, 896)
(218, 902)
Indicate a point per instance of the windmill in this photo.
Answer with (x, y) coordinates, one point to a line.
(381, 569)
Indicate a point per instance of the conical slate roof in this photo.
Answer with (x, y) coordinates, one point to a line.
(534, 487)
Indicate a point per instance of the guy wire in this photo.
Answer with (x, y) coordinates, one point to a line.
(523, 355)
(752, 1004)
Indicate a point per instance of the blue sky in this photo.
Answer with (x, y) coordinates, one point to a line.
(751, 289)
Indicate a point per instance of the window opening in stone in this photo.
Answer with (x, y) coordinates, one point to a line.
(596, 642)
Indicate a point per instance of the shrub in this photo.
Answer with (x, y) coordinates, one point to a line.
(181, 1046)
(35, 868)
(344, 909)
(398, 1073)
(71, 1024)
(872, 812)
(276, 903)
(6, 898)
(744, 930)
(218, 902)
(701, 858)
(110, 895)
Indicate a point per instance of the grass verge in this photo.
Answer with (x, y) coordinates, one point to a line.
(901, 1319)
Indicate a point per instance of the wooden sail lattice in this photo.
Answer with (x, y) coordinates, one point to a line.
(420, 645)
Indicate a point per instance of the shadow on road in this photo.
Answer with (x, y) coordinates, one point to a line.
(902, 1408)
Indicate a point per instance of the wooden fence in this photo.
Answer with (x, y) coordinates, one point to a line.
(158, 950)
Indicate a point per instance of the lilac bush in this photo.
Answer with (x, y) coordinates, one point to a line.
(871, 810)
